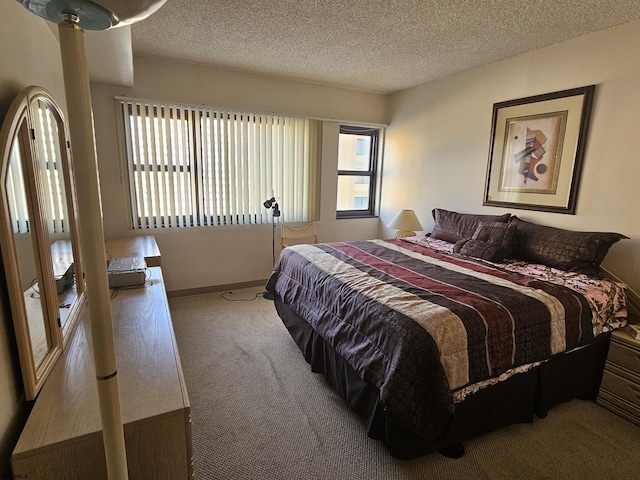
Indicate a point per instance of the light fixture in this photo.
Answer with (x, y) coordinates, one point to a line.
(96, 14)
(72, 18)
(406, 223)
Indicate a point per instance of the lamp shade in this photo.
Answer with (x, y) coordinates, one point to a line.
(406, 223)
(96, 14)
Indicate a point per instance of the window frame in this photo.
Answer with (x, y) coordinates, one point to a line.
(372, 172)
(264, 154)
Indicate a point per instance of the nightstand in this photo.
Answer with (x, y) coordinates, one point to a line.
(620, 387)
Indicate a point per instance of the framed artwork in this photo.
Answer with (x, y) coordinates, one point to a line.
(536, 150)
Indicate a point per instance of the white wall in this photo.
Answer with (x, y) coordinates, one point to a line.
(196, 258)
(29, 55)
(438, 138)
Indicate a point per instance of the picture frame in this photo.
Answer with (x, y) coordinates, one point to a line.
(536, 150)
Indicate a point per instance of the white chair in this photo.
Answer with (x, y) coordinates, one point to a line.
(295, 235)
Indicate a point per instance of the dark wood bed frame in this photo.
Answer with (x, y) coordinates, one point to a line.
(574, 374)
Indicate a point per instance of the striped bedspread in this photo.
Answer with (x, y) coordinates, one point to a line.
(417, 323)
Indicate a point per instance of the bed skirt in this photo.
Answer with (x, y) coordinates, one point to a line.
(575, 374)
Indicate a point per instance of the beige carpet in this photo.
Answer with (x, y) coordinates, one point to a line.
(259, 413)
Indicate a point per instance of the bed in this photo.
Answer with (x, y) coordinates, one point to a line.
(433, 340)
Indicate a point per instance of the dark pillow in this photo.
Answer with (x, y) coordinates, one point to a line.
(495, 232)
(580, 252)
(477, 249)
(491, 241)
(454, 226)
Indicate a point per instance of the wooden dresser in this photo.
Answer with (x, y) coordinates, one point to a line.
(620, 388)
(63, 437)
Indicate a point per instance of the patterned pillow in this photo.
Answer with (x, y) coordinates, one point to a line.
(492, 241)
(477, 249)
(453, 226)
(495, 232)
(580, 252)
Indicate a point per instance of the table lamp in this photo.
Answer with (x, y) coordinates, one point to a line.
(406, 223)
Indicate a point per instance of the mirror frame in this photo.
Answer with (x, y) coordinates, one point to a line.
(18, 129)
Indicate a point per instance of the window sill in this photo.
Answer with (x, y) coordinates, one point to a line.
(349, 216)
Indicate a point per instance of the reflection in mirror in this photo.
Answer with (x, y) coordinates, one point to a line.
(38, 235)
(54, 195)
(26, 255)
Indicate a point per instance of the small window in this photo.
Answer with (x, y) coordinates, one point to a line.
(361, 202)
(362, 146)
(357, 163)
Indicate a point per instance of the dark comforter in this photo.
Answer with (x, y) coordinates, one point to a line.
(417, 324)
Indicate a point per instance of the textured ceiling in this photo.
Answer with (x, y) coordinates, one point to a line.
(372, 45)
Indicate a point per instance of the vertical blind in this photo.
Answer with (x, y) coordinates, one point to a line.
(197, 166)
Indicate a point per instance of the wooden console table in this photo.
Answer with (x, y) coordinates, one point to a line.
(62, 438)
(139, 246)
(120, 247)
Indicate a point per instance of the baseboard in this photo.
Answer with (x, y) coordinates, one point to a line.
(216, 288)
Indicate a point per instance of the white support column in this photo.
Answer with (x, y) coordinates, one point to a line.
(91, 231)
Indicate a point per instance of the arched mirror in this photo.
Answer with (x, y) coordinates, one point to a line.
(38, 232)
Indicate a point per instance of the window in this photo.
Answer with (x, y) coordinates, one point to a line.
(196, 166)
(357, 163)
(360, 203)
